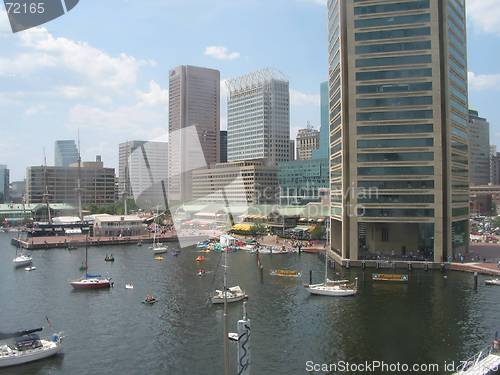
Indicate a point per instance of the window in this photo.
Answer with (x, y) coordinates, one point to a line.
(392, 34)
(394, 47)
(386, 143)
(402, 156)
(393, 74)
(399, 184)
(394, 87)
(389, 21)
(393, 115)
(396, 60)
(392, 7)
(399, 101)
(391, 129)
(384, 234)
(391, 171)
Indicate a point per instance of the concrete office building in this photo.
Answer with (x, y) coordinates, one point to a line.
(143, 172)
(4, 183)
(243, 182)
(307, 141)
(65, 153)
(223, 146)
(398, 129)
(97, 184)
(194, 96)
(479, 149)
(258, 124)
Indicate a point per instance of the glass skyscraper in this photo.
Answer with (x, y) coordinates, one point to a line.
(398, 129)
(65, 153)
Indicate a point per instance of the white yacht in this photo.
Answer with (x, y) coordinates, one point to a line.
(22, 260)
(29, 348)
(233, 294)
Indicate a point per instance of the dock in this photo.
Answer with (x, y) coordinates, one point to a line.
(486, 362)
(490, 269)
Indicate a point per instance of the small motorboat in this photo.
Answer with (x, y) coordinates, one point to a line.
(402, 278)
(31, 268)
(149, 300)
(22, 261)
(205, 251)
(201, 272)
(129, 286)
(285, 273)
(233, 294)
(200, 258)
(334, 288)
(492, 282)
(159, 257)
(109, 258)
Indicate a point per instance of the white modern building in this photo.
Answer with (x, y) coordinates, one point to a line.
(258, 124)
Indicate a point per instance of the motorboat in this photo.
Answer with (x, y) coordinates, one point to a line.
(333, 289)
(402, 278)
(201, 272)
(129, 286)
(233, 294)
(30, 268)
(22, 260)
(200, 258)
(29, 348)
(158, 257)
(492, 282)
(285, 273)
(109, 258)
(149, 300)
(270, 250)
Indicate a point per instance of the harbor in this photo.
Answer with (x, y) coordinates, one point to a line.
(182, 331)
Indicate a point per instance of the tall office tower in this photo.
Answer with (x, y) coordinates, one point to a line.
(398, 129)
(143, 168)
(479, 149)
(4, 183)
(258, 123)
(493, 164)
(65, 153)
(322, 151)
(307, 141)
(291, 150)
(223, 146)
(193, 124)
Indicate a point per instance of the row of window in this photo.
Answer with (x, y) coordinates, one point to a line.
(395, 212)
(393, 74)
(392, 129)
(394, 60)
(383, 198)
(394, 115)
(390, 21)
(392, 171)
(394, 87)
(394, 47)
(398, 101)
(392, 34)
(396, 156)
(395, 185)
(388, 143)
(392, 7)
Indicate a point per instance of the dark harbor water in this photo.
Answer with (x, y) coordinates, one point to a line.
(430, 320)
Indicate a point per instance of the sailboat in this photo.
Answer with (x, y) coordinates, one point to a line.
(158, 247)
(233, 294)
(22, 260)
(333, 288)
(91, 281)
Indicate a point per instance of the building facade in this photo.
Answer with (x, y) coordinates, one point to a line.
(479, 149)
(193, 124)
(258, 123)
(236, 183)
(223, 146)
(65, 153)
(4, 183)
(307, 141)
(301, 181)
(398, 129)
(291, 149)
(323, 150)
(61, 183)
(143, 172)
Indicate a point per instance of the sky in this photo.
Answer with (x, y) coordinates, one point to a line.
(102, 69)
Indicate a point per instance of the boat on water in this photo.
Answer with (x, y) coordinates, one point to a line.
(22, 260)
(88, 281)
(158, 247)
(233, 294)
(159, 257)
(149, 300)
(109, 258)
(402, 278)
(270, 250)
(285, 273)
(28, 348)
(200, 258)
(492, 282)
(129, 286)
(31, 268)
(333, 288)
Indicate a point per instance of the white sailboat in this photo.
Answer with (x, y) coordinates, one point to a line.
(333, 288)
(158, 247)
(228, 295)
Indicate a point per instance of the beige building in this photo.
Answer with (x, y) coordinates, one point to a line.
(97, 184)
(118, 225)
(307, 141)
(236, 183)
(193, 125)
(399, 174)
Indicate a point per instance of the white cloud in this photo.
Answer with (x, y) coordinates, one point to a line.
(221, 53)
(485, 15)
(35, 110)
(483, 82)
(300, 98)
(155, 96)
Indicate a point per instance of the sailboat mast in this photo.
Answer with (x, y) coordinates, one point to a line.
(226, 347)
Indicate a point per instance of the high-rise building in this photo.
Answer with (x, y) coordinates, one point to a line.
(143, 172)
(307, 142)
(479, 149)
(97, 184)
(65, 153)
(493, 164)
(322, 151)
(258, 123)
(223, 146)
(291, 149)
(4, 183)
(193, 124)
(398, 129)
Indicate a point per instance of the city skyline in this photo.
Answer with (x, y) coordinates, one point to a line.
(130, 100)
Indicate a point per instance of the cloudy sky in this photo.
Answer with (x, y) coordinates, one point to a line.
(103, 67)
